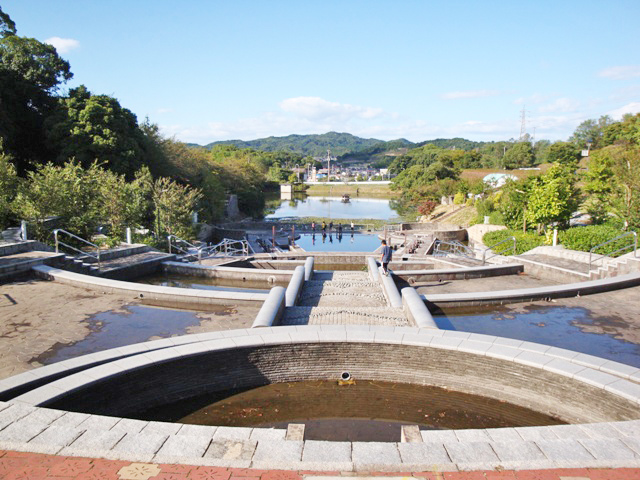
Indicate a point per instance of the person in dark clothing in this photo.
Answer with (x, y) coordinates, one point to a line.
(385, 257)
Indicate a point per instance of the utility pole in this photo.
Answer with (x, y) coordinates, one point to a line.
(328, 165)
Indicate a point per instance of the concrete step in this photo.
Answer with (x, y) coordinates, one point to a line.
(345, 316)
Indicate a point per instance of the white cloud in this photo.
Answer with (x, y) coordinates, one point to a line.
(63, 45)
(469, 94)
(164, 110)
(621, 72)
(316, 108)
(633, 107)
(560, 105)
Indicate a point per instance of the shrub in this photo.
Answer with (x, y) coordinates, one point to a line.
(585, 238)
(459, 198)
(426, 207)
(524, 241)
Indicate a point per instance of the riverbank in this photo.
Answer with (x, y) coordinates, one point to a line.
(361, 190)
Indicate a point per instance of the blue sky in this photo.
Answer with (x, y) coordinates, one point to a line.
(418, 69)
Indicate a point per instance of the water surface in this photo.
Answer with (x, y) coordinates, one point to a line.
(562, 327)
(334, 208)
(366, 411)
(334, 242)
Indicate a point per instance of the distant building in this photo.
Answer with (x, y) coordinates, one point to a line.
(497, 180)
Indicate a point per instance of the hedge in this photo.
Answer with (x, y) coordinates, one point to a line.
(585, 238)
(524, 241)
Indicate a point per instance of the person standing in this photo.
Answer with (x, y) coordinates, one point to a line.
(352, 227)
(324, 227)
(385, 257)
(313, 227)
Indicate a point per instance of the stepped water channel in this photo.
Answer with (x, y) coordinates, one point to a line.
(343, 298)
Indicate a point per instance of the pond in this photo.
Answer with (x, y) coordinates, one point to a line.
(334, 242)
(334, 208)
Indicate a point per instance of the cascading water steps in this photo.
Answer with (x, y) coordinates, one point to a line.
(343, 298)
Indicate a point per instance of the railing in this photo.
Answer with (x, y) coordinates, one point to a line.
(58, 231)
(453, 247)
(175, 242)
(490, 249)
(228, 247)
(633, 244)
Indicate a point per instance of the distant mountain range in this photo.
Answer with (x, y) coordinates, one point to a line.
(343, 145)
(315, 145)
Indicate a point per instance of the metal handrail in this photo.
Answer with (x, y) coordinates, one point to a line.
(633, 244)
(229, 248)
(179, 240)
(59, 242)
(484, 254)
(457, 248)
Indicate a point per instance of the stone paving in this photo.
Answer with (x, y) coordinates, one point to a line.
(22, 466)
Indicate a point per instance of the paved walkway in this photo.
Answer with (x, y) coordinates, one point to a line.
(31, 466)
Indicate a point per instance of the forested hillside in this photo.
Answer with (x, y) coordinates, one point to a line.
(313, 145)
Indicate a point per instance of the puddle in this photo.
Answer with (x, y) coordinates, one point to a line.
(131, 324)
(573, 328)
(366, 411)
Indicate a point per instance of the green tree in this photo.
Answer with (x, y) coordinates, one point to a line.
(552, 197)
(174, 205)
(625, 132)
(519, 155)
(590, 132)
(7, 26)
(68, 192)
(563, 152)
(96, 127)
(9, 182)
(30, 73)
(125, 204)
(616, 178)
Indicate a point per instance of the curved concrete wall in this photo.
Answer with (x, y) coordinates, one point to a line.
(546, 379)
(152, 294)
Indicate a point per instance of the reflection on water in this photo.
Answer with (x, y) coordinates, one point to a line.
(131, 324)
(562, 327)
(334, 207)
(366, 411)
(338, 242)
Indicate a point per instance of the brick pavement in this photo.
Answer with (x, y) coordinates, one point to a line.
(31, 466)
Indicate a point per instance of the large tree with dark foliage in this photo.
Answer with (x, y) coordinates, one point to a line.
(30, 74)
